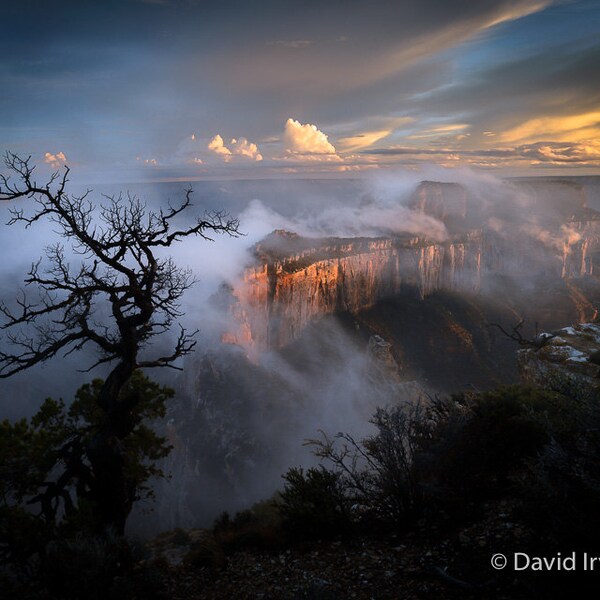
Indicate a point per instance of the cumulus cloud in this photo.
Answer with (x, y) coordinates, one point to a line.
(242, 147)
(55, 160)
(305, 143)
(305, 139)
(236, 147)
(217, 145)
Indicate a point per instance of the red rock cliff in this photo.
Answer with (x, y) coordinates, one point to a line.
(296, 279)
(277, 298)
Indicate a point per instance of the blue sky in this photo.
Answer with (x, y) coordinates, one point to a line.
(126, 90)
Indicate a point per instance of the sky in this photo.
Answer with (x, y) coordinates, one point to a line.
(168, 90)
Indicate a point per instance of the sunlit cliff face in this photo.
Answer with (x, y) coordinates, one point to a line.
(294, 280)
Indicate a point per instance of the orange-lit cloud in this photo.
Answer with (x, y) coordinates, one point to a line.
(305, 139)
(55, 160)
(236, 147)
(242, 147)
(585, 152)
(217, 145)
(518, 11)
(362, 140)
(557, 128)
(440, 130)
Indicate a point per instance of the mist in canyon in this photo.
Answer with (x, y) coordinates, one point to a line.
(370, 292)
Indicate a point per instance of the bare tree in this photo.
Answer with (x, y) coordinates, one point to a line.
(537, 342)
(121, 244)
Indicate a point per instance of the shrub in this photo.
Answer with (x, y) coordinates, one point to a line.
(448, 453)
(497, 432)
(378, 474)
(258, 527)
(561, 486)
(314, 504)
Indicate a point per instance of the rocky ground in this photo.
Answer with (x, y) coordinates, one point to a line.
(569, 356)
(385, 566)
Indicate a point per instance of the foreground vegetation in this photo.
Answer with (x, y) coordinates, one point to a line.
(449, 483)
(109, 286)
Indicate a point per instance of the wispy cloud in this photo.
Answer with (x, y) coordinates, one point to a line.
(563, 127)
(362, 140)
(158, 2)
(290, 43)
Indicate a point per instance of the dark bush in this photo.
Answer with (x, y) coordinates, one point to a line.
(474, 454)
(377, 475)
(314, 504)
(448, 454)
(561, 486)
(259, 527)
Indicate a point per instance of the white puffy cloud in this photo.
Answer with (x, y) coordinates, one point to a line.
(55, 160)
(242, 147)
(217, 145)
(236, 147)
(305, 139)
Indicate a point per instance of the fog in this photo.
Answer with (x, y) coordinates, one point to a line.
(237, 423)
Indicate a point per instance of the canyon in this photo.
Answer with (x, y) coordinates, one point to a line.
(319, 331)
(543, 237)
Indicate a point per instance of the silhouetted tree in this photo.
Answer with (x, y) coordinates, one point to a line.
(48, 487)
(120, 243)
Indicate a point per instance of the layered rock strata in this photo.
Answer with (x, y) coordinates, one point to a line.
(295, 279)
